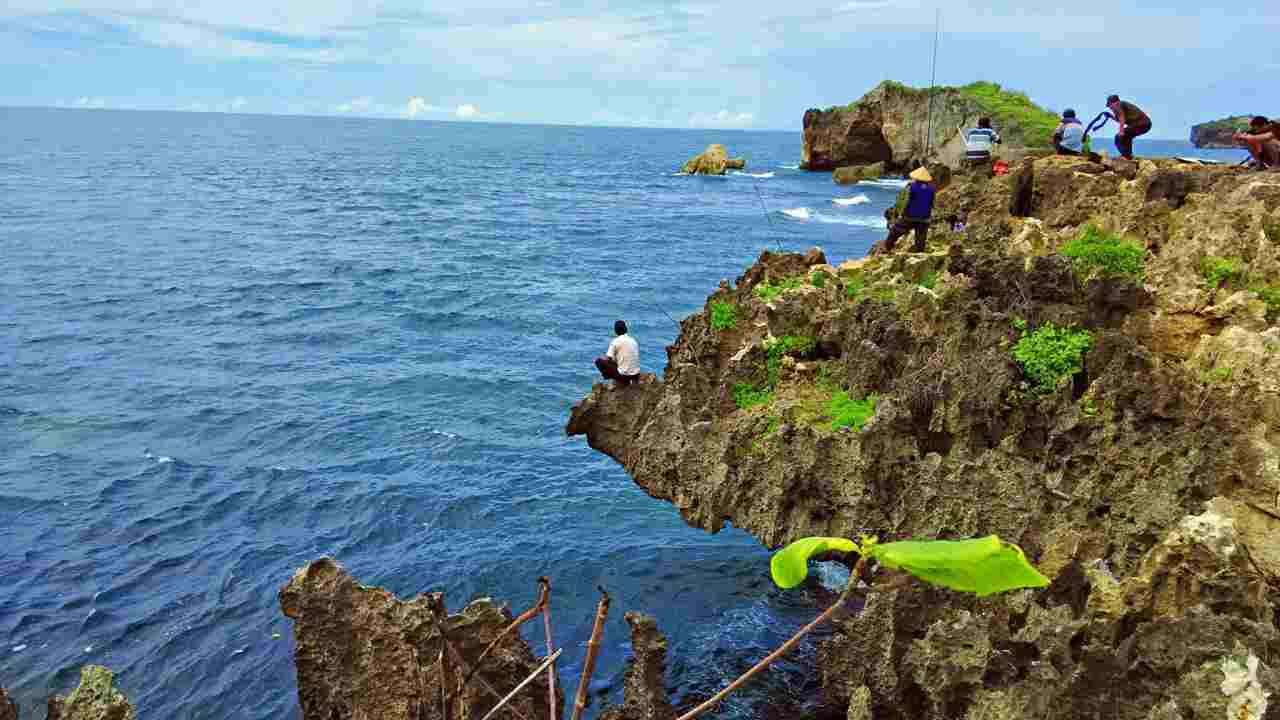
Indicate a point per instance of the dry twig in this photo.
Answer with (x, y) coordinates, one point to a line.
(593, 647)
(545, 664)
(551, 669)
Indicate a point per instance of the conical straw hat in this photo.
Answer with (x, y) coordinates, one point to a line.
(921, 174)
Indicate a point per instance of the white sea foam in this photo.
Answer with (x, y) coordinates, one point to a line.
(789, 167)
(855, 200)
(797, 213)
(19, 648)
(894, 183)
(762, 176)
(868, 221)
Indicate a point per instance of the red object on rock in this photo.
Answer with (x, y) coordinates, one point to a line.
(1000, 167)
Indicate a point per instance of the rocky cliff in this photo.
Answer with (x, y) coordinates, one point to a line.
(1145, 482)
(1217, 134)
(892, 122)
(714, 160)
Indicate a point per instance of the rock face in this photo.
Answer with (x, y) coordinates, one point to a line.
(850, 174)
(644, 687)
(8, 709)
(891, 124)
(362, 653)
(1146, 485)
(714, 160)
(1217, 134)
(96, 698)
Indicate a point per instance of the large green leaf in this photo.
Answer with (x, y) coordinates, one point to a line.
(983, 566)
(790, 565)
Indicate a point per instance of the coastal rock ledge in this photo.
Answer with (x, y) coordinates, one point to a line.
(714, 160)
(1144, 485)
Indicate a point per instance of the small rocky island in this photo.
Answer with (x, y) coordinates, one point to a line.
(890, 125)
(1217, 134)
(714, 160)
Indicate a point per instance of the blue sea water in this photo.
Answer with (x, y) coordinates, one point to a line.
(231, 344)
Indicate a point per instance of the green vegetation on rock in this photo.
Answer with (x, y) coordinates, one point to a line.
(747, 396)
(1013, 114)
(777, 348)
(1050, 353)
(769, 292)
(852, 414)
(929, 281)
(818, 279)
(1094, 249)
(1219, 272)
(1269, 294)
(724, 315)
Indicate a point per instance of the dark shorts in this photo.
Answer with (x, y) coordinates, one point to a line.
(608, 368)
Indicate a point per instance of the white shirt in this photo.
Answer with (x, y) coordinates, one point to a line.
(626, 352)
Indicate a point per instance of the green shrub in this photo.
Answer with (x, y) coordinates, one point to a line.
(854, 285)
(1269, 294)
(1096, 249)
(852, 414)
(777, 348)
(1271, 230)
(929, 281)
(818, 279)
(1050, 353)
(1222, 271)
(769, 292)
(748, 396)
(724, 315)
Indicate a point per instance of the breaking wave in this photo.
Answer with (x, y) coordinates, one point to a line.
(855, 200)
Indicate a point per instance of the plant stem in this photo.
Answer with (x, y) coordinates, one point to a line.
(551, 669)
(545, 664)
(593, 647)
(782, 650)
(543, 597)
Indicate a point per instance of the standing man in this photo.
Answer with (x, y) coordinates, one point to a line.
(1068, 139)
(978, 143)
(621, 363)
(916, 214)
(1133, 122)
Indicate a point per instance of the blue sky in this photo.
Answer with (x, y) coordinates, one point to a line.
(747, 63)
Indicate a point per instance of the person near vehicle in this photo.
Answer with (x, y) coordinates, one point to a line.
(621, 362)
(1133, 122)
(1263, 141)
(916, 214)
(1068, 139)
(979, 142)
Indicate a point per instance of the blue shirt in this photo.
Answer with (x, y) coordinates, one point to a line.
(920, 201)
(1072, 133)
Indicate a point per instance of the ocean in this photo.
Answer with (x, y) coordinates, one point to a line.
(231, 344)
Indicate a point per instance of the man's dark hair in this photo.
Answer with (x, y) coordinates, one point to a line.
(1258, 121)
(1068, 113)
(984, 122)
(620, 328)
(1113, 99)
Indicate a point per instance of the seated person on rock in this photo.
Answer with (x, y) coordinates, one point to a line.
(1263, 141)
(621, 363)
(1133, 122)
(979, 142)
(1068, 139)
(916, 214)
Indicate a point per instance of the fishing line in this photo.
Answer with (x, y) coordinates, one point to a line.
(933, 76)
(765, 210)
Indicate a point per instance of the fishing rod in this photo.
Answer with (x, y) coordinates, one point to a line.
(765, 210)
(933, 76)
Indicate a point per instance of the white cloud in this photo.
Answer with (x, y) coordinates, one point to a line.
(417, 106)
(467, 112)
(722, 119)
(238, 104)
(90, 102)
(361, 104)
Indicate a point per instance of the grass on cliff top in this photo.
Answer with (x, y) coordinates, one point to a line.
(769, 292)
(1013, 114)
(1051, 353)
(1095, 249)
(852, 414)
(724, 315)
(1238, 123)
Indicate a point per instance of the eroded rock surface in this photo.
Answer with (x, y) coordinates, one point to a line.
(8, 708)
(95, 698)
(714, 160)
(644, 689)
(1146, 486)
(360, 652)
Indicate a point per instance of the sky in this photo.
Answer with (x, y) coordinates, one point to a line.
(754, 64)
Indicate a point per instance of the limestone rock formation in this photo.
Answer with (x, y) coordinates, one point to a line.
(360, 652)
(714, 160)
(644, 687)
(8, 708)
(850, 174)
(1217, 134)
(1146, 484)
(95, 698)
(894, 124)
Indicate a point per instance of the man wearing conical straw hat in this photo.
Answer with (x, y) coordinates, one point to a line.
(915, 216)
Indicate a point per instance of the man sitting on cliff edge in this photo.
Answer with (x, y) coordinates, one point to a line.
(1263, 141)
(621, 363)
